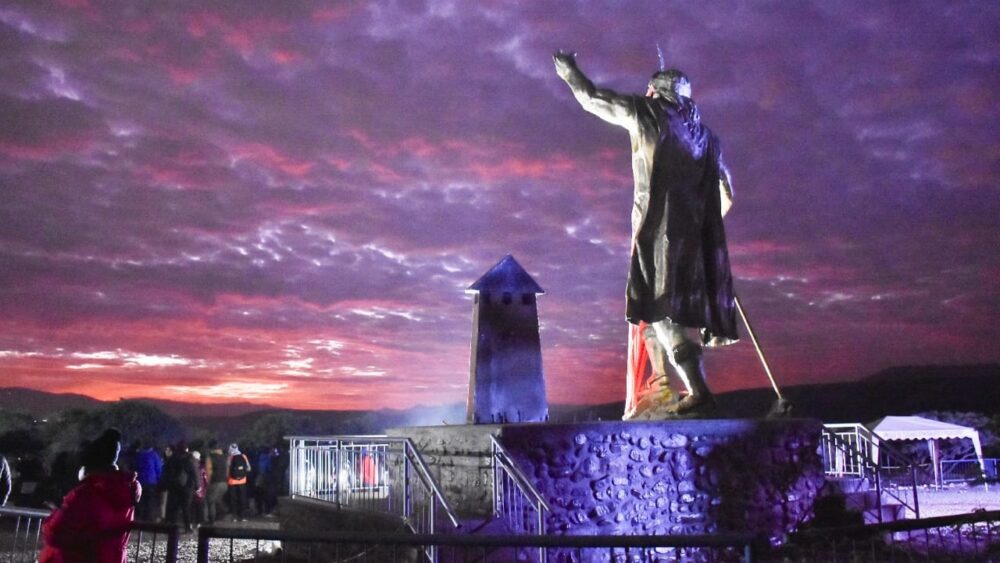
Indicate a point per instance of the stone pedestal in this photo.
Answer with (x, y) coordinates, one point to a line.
(458, 458)
(630, 478)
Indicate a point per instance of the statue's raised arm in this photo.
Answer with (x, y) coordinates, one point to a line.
(607, 104)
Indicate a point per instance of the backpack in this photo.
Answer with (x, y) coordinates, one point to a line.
(238, 467)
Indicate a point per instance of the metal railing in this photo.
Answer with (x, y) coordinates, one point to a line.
(960, 539)
(965, 470)
(21, 538)
(153, 542)
(388, 548)
(849, 450)
(20, 534)
(371, 473)
(515, 500)
(851, 457)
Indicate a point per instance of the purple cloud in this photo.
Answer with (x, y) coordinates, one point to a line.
(292, 197)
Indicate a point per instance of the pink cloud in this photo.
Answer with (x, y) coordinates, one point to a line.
(181, 75)
(286, 56)
(270, 157)
(203, 22)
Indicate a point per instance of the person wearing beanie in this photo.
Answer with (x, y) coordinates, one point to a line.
(239, 469)
(92, 525)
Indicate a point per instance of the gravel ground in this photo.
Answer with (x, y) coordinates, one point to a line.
(219, 549)
(958, 500)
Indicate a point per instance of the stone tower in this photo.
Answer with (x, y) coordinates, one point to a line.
(505, 379)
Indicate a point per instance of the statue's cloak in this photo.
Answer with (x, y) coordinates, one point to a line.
(680, 263)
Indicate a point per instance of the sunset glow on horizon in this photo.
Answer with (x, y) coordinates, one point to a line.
(284, 202)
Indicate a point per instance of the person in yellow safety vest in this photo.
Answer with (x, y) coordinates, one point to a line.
(239, 469)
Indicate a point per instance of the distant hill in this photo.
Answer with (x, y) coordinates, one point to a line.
(903, 391)
(180, 409)
(41, 404)
(894, 391)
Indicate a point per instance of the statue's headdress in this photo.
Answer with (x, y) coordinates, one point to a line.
(669, 83)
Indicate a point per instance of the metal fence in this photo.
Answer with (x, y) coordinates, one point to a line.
(370, 473)
(340, 547)
(848, 458)
(20, 534)
(961, 538)
(965, 470)
(21, 538)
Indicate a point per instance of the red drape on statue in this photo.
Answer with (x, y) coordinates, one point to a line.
(638, 357)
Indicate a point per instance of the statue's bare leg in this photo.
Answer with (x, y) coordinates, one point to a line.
(685, 355)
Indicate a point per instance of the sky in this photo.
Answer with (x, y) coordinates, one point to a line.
(284, 202)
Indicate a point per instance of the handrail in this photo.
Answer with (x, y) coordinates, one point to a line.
(344, 437)
(518, 475)
(425, 473)
(873, 439)
(870, 440)
(513, 512)
(24, 512)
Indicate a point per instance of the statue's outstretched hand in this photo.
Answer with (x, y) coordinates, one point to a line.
(565, 62)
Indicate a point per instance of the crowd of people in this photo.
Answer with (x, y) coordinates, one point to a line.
(180, 485)
(184, 484)
(193, 486)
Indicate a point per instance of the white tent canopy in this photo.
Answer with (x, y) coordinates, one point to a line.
(919, 428)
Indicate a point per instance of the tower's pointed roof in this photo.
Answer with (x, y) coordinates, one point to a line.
(507, 276)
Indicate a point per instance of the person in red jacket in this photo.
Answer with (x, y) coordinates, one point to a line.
(92, 525)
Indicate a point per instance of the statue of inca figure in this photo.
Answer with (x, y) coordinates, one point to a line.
(679, 278)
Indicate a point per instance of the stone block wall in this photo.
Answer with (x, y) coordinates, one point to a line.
(672, 477)
(459, 459)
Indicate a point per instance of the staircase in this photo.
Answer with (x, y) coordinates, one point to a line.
(873, 505)
(876, 480)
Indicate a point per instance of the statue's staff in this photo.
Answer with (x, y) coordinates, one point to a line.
(781, 407)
